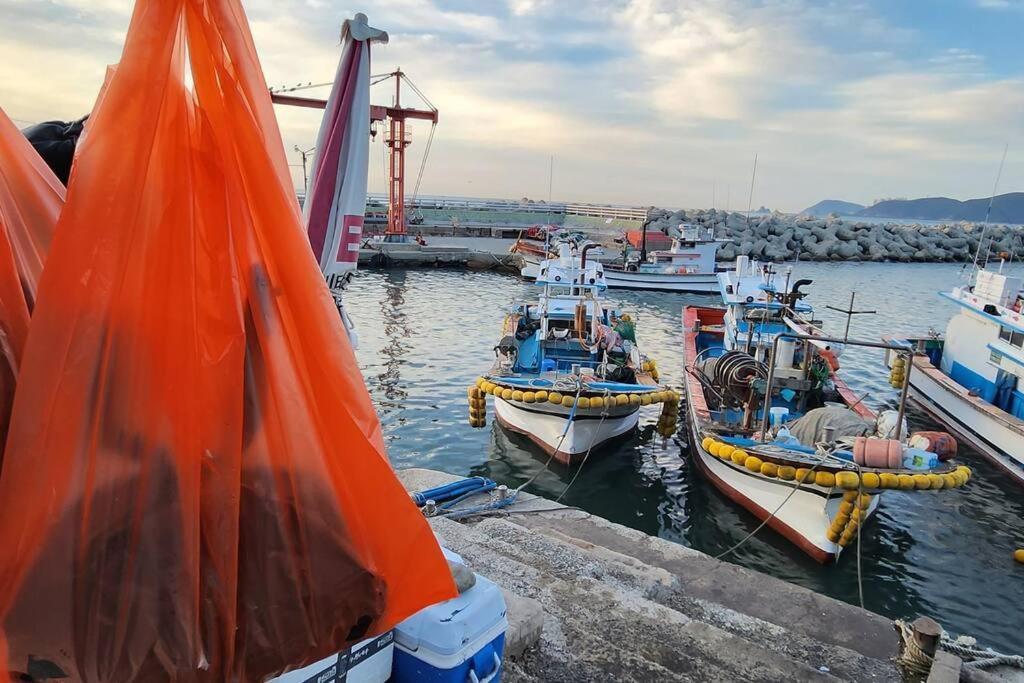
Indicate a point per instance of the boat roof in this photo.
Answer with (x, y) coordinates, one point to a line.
(752, 290)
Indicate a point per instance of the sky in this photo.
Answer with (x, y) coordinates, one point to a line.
(638, 102)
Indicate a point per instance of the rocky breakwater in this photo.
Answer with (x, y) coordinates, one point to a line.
(784, 237)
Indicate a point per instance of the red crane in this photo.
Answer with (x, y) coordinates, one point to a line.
(397, 140)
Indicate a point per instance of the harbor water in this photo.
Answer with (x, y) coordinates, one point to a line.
(425, 335)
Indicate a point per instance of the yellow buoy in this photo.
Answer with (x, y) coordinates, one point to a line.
(645, 399)
(706, 443)
(787, 473)
(713, 447)
(937, 482)
(507, 394)
(555, 397)
(541, 396)
(846, 507)
(634, 399)
(769, 469)
(517, 395)
(804, 475)
(849, 495)
(567, 401)
(583, 403)
(473, 392)
(871, 480)
(841, 521)
(906, 482)
(621, 400)
(825, 479)
(752, 463)
(1018, 555)
(888, 480)
(529, 397)
(949, 481)
(966, 472)
(856, 514)
(739, 457)
(847, 480)
(863, 501)
(833, 535)
(922, 482)
(480, 381)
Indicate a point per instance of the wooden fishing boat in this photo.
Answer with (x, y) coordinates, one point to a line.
(815, 474)
(567, 372)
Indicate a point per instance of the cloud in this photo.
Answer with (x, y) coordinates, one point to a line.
(639, 101)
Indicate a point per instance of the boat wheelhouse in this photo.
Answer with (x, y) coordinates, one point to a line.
(567, 371)
(970, 378)
(689, 266)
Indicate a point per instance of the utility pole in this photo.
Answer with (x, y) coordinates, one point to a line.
(305, 173)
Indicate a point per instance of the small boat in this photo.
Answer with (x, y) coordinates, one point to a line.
(532, 248)
(689, 266)
(775, 429)
(568, 373)
(968, 379)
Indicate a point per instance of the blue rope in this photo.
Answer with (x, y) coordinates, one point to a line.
(455, 490)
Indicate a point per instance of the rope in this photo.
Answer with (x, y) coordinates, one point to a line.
(604, 414)
(423, 163)
(917, 660)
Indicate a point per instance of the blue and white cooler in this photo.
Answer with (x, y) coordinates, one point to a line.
(458, 641)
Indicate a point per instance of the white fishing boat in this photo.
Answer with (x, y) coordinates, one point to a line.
(568, 373)
(969, 378)
(689, 266)
(776, 430)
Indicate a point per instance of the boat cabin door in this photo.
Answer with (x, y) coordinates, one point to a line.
(1006, 384)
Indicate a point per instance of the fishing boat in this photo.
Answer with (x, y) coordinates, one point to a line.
(689, 266)
(775, 429)
(968, 378)
(567, 372)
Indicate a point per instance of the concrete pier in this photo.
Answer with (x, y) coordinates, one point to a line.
(621, 605)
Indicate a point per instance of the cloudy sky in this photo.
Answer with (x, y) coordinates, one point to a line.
(640, 102)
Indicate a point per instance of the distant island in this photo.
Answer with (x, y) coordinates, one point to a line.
(837, 206)
(1006, 208)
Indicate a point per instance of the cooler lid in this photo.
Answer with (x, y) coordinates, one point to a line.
(445, 628)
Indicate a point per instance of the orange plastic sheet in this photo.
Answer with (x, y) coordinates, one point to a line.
(195, 486)
(30, 201)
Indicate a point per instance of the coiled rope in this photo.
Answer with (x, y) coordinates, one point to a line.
(917, 660)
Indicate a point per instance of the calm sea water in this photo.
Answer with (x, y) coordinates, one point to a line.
(427, 334)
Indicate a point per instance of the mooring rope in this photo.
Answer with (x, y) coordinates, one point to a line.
(917, 660)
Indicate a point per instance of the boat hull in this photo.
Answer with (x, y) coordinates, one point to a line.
(994, 433)
(803, 519)
(703, 283)
(545, 423)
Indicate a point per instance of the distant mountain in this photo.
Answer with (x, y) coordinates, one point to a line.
(824, 208)
(1006, 208)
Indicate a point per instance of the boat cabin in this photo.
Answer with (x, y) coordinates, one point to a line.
(983, 348)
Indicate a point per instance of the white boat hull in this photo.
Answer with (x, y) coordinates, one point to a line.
(803, 519)
(700, 283)
(545, 423)
(992, 432)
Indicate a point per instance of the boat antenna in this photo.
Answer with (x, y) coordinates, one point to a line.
(850, 312)
(988, 213)
(750, 199)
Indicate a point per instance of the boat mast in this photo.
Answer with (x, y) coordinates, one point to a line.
(988, 212)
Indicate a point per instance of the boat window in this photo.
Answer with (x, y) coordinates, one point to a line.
(1017, 339)
(1004, 334)
(994, 357)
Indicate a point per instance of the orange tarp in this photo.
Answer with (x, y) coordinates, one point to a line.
(195, 485)
(30, 201)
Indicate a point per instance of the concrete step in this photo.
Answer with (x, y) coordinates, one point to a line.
(607, 622)
(621, 605)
